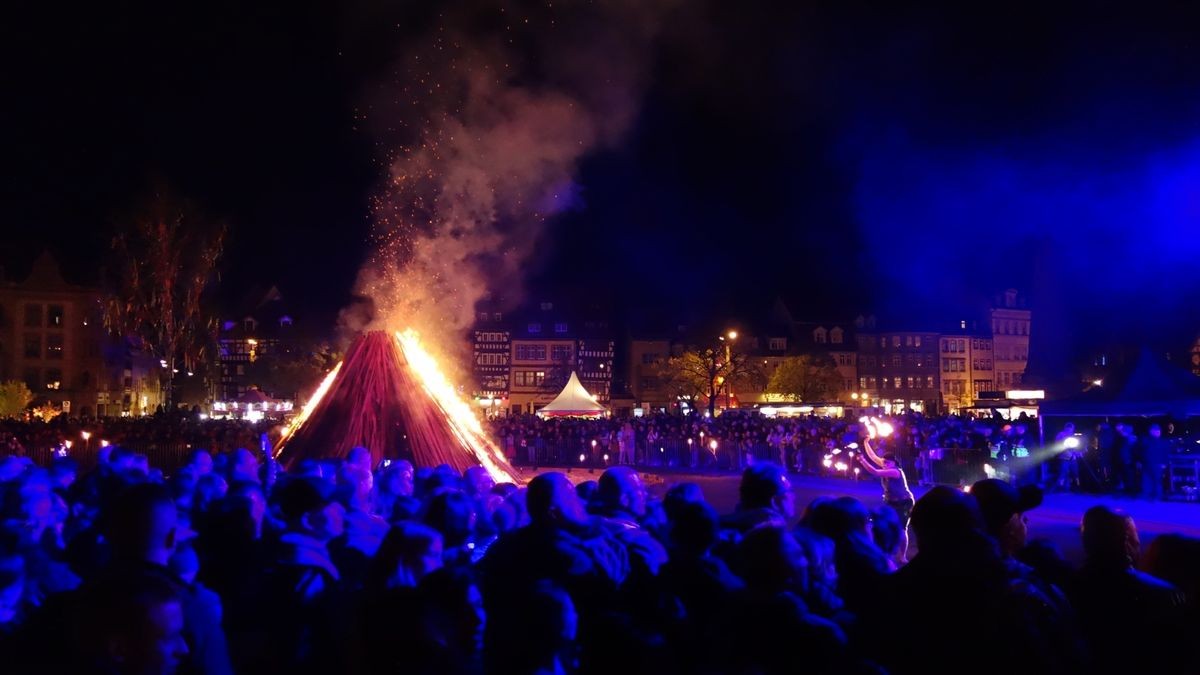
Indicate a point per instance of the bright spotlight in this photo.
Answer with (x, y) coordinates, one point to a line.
(1071, 443)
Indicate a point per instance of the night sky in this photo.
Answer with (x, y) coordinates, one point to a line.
(903, 160)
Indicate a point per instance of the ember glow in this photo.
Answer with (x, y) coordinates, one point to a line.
(462, 418)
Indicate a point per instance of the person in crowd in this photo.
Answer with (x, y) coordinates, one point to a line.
(394, 499)
(895, 488)
(1119, 605)
(861, 565)
(561, 545)
(770, 627)
(137, 626)
(765, 496)
(303, 601)
(1153, 455)
(1070, 456)
(888, 534)
(958, 569)
(243, 466)
(1003, 508)
(199, 462)
(452, 514)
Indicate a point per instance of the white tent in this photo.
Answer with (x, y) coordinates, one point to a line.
(573, 401)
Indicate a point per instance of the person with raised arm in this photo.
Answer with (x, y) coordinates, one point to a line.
(895, 484)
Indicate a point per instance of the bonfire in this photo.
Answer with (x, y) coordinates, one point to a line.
(389, 395)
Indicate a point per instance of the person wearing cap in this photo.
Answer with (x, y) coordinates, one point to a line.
(302, 596)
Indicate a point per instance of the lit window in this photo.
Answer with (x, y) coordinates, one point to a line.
(560, 328)
(54, 346)
(916, 340)
(535, 328)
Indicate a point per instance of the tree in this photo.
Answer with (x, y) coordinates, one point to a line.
(14, 398)
(164, 268)
(705, 371)
(807, 377)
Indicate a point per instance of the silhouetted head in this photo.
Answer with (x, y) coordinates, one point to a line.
(551, 499)
(766, 485)
(408, 553)
(308, 508)
(477, 481)
(1110, 537)
(694, 529)
(944, 517)
(452, 513)
(621, 488)
(143, 525)
(772, 560)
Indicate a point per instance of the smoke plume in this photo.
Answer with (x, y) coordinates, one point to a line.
(483, 129)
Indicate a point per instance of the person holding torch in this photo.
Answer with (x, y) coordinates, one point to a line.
(895, 484)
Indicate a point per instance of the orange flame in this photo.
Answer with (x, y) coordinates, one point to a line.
(462, 418)
(308, 408)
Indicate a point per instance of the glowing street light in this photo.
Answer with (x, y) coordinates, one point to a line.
(1098, 383)
(85, 435)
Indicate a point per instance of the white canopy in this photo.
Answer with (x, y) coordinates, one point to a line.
(573, 400)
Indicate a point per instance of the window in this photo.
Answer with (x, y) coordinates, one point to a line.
(870, 383)
(560, 353)
(33, 378)
(241, 369)
(483, 316)
(896, 360)
(819, 335)
(896, 381)
(907, 340)
(845, 359)
(862, 383)
(916, 340)
(560, 327)
(962, 345)
(917, 383)
(895, 341)
(883, 383)
(249, 324)
(285, 321)
(53, 378)
(54, 316)
(777, 344)
(836, 335)
(497, 316)
(33, 316)
(929, 382)
(54, 346)
(547, 306)
(33, 345)
(909, 382)
(534, 327)
(531, 352)
(882, 342)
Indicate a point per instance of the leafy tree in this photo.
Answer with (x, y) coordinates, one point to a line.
(164, 267)
(706, 371)
(808, 377)
(14, 398)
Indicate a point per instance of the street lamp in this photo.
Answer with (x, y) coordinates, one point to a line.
(732, 335)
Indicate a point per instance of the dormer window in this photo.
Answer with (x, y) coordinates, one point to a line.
(777, 344)
(547, 306)
(560, 327)
(535, 328)
(820, 336)
(249, 324)
(285, 321)
(836, 335)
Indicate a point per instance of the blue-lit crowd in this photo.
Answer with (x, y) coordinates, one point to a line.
(230, 564)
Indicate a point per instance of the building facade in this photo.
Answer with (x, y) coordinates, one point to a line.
(261, 328)
(967, 368)
(53, 339)
(898, 369)
(1011, 322)
(523, 359)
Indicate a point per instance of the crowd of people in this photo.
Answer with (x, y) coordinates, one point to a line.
(231, 565)
(948, 449)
